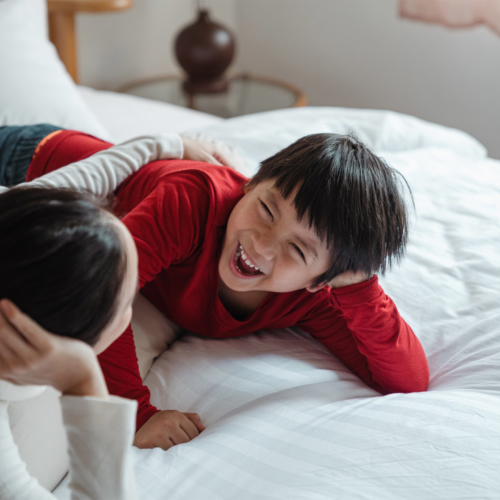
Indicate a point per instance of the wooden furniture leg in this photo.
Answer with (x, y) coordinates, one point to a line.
(62, 25)
(63, 36)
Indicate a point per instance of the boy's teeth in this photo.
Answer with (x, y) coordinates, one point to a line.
(240, 252)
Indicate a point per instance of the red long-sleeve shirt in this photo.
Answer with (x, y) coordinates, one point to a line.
(177, 211)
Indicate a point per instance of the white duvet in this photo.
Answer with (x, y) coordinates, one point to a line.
(285, 420)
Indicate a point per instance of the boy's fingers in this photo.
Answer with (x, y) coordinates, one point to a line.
(189, 428)
(180, 436)
(195, 418)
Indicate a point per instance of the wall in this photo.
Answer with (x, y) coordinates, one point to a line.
(352, 53)
(116, 48)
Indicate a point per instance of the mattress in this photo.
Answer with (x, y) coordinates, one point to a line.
(285, 419)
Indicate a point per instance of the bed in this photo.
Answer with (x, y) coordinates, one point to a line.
(284, 418)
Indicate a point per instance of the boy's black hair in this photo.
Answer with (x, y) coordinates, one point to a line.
(349, 195)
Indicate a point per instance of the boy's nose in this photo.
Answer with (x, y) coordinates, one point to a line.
(263, 245)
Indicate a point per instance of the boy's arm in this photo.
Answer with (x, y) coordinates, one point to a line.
(167, 226)
(361, 325)
(121, 371)
(102, 173)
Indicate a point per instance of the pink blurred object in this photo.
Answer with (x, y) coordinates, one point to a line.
(453, 13)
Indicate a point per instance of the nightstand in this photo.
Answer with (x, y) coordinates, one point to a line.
(62, 25)
(246, 94)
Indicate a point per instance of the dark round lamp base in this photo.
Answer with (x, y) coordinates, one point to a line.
(205, 49)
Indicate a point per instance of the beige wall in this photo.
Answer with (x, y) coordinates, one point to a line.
(115, 48)
(352, 53)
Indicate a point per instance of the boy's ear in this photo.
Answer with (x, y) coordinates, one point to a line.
(317, 288)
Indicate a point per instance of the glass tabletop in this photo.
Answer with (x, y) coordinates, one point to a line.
(246, 94)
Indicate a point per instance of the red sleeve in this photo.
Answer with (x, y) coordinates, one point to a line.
(361, 325)
(121, 370)
(167, 226)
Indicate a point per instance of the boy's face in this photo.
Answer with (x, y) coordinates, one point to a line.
(263, 231)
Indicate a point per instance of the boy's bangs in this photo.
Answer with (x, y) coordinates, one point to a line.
(309, 201)
(351, 198)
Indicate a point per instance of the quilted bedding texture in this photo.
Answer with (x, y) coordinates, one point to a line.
(285, 419)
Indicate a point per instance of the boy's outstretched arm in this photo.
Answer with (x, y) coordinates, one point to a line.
(361, 325)
(167, 227)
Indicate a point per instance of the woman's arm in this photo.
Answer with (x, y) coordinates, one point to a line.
(99, 433)
(15, 481)
(100, 429)
(102, 173)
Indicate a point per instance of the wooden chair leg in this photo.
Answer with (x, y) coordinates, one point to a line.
(63, 36)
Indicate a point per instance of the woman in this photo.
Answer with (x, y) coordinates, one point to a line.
(72, 267)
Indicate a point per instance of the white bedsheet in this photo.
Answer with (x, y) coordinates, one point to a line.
(286, 420)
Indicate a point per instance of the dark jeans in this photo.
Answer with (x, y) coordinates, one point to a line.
(17, 145)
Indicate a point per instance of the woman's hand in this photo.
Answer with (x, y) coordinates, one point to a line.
(349, 278)
(29, 355)
(216, 153)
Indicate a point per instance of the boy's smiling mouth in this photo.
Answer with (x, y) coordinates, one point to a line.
(242, 266)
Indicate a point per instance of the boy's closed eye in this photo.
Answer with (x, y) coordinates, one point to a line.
(266, 208)
(300, 252)
(270, 214)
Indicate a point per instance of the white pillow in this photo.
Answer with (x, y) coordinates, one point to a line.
(34, 84)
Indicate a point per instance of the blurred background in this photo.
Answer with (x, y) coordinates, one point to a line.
(348, 53)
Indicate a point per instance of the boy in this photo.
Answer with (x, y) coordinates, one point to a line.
(298, 245)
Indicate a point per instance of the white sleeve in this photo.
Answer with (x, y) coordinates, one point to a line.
(100, 435)
(103, 172)
(16, 483)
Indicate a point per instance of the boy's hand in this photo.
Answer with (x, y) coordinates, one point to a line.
(216, 153)
(168, 428)
(349, 278)
(29, 355)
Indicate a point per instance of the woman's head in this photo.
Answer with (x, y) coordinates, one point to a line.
(67, 263)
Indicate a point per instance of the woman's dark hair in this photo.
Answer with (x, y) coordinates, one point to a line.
(61, 260)
(349, 195)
